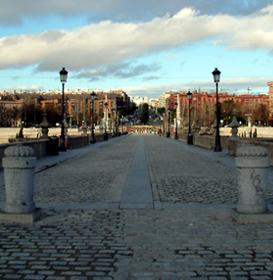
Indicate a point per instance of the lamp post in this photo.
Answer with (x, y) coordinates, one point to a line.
(168, 133)
(190, 138)
(93, 139)
(216, 76)
(105, 138)
(115, 113)
(116, 122)
(119, 122)
(176, 135)
(63, 78)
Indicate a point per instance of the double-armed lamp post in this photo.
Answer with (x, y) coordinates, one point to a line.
(63, 77)
(216, 76)
(93, 139)
(190, 138)
(176, 135)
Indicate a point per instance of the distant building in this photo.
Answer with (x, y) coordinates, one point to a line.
(154, 102)
(77, 104)
(138, 100)
(200, 99)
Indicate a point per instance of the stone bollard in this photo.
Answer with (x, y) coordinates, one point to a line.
(234, 125)
(253, 164)
(44, 126)
(19, 166)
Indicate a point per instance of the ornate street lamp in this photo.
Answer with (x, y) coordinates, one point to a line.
(63, 78)
(190, 138)
(105, 138)
(216, 76)
(93, 139)
(168, 133)
(176, 135)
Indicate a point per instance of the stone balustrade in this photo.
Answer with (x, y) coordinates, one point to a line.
(42, 147)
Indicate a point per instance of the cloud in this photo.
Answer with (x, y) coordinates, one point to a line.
(22, 88)
(13, 12)
(237, 85)
(150, 78)
(98, 46)
(231, 85)
(170, 56)
(122, 70)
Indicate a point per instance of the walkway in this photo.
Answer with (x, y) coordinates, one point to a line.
(136, 207)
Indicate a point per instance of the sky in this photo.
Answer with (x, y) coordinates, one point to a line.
(143, 47)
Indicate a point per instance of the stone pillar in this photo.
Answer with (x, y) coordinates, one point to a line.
(19, 166)
(253, 164)
(214, 125)
(44, 125)
(234, 125)
(84, 127)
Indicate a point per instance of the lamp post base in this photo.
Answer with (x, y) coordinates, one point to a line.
(105, 137)
(176, 136)
(218, 147)
(168, 135)
(190, 139)
(93, 140)
(62, 148)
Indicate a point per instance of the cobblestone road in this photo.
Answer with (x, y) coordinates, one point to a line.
(198, 240)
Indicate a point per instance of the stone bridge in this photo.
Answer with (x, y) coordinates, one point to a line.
(136, 207)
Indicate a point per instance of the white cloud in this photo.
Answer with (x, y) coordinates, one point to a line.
(22, 88)
(107, 43)
(236, 85)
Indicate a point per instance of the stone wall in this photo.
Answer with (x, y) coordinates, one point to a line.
(40, 148)
(74, 142)
(204, 141)
(208, 141)
(10, 132)
(267, 143)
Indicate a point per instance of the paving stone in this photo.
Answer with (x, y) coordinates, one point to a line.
(12, 276)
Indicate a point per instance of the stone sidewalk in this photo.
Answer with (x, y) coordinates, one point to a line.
(183, 230)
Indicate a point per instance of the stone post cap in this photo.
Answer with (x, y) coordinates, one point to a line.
(234, 122)
(19, 151)
(252, 151)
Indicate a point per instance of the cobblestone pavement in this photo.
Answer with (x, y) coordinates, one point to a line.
(95, 176)
(181, 176)
(197, 241)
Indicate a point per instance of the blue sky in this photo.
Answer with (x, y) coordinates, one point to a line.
(142, 47)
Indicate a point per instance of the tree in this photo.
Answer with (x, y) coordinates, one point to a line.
(144, 114)
(226, 111)
(53, 115)
(262, 113)
(161, 111)
(208, 115)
